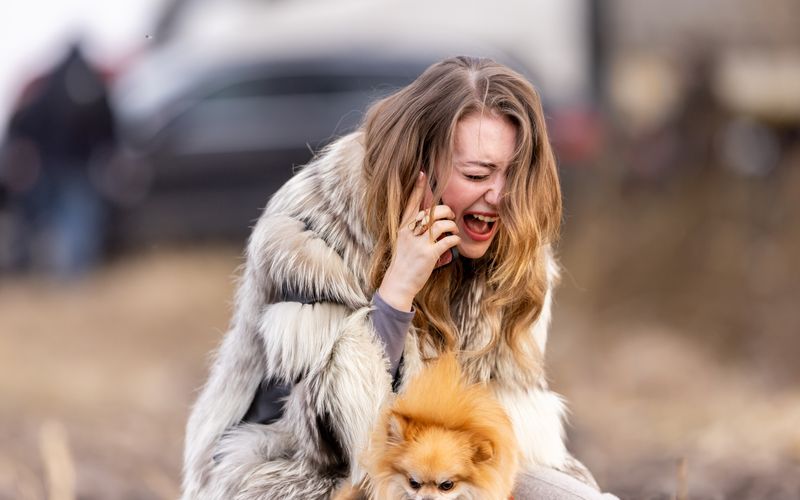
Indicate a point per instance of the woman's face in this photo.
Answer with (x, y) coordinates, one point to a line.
(484, 148)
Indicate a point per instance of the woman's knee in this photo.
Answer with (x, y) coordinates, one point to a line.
(550, 484)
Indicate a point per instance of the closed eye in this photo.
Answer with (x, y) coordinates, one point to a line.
(476, 177)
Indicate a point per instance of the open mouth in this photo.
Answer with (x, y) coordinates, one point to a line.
(479, 226)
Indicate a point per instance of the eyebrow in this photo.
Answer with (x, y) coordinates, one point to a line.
(486, 164)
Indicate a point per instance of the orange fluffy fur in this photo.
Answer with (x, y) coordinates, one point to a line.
(442, 439)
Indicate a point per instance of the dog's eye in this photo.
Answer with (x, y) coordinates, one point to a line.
(414, 484)
(446, 485)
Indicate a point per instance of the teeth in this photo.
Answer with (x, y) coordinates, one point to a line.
(484, 218)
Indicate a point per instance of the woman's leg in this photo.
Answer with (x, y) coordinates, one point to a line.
(549, 484)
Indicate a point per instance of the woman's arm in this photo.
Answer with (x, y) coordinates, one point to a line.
(391, 325)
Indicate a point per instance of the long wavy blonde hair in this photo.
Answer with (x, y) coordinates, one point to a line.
(412, 130)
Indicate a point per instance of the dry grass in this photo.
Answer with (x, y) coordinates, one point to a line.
(113, 363)
(675, 335)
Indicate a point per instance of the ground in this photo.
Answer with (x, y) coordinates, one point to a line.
(680, 377)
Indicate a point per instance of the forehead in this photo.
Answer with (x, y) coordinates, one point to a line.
(485, 137)
(437, 455)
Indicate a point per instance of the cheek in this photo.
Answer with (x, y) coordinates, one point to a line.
(458, 197)
(450, 198)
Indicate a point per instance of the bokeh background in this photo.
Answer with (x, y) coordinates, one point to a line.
(141, 139)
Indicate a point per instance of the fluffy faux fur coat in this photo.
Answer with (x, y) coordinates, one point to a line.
(302, 317)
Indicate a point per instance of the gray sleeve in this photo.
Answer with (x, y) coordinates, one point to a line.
(392, 326)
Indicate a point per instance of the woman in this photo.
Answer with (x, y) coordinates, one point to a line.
(428, 229)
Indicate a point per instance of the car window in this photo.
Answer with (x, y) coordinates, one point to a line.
(308, 84)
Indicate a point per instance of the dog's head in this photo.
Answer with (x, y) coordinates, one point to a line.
(432, 462)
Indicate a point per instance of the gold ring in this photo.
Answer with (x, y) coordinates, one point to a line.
(421, 219)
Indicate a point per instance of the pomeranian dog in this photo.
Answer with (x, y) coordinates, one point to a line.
(441, 439)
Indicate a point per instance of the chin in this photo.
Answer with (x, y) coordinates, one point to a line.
(474, 250)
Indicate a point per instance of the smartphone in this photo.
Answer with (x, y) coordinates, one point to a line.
(452, 254)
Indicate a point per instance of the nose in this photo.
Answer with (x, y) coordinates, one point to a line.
(495, 189)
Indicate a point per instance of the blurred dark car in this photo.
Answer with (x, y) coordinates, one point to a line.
(205, 162)
(211, 131)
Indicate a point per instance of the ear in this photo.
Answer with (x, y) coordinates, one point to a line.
(396, 428)
(482, 450)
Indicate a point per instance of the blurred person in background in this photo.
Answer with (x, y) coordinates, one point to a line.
(59, 137)
(351, 285)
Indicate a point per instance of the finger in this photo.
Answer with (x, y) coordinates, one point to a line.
(417, 224)
(442, 212)
(412, 206)
(449, 253)
(443, 226)
(422, 221)
(447, 243)
(444, 259)
(420, 227)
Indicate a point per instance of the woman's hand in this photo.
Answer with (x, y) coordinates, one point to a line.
(419, 250)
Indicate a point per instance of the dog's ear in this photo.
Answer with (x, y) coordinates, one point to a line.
(482, 450)
(396, 428)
